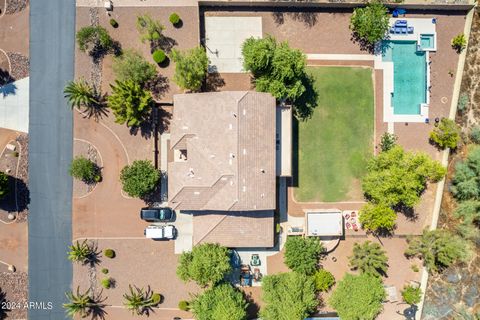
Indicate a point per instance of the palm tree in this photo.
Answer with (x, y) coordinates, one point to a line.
(139, 301)
(82, 252)
(79, 304)
(80, 94)
(369, 258)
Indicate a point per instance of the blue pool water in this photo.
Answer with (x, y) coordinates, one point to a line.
(409, 76)
(427, 41)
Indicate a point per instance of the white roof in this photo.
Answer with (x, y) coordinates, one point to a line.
(324, 224)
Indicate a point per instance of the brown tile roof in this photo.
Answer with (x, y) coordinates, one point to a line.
(230, 141)
(234, 229)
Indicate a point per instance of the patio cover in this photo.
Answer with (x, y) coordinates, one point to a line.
(324, 223)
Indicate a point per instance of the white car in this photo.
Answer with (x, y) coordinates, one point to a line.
(160, 232)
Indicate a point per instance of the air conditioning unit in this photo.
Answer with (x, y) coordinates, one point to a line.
(108, 5)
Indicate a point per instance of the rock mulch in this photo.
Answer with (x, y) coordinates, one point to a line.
(14, 6)
(20, 65)
(15, 285)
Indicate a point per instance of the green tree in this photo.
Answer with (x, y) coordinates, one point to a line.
(388, 141)
(140, 301)
(411, 295)
(130, 103)
(190, 68)
(207, 264)
(438, 249)
(302, 254)
(288, 296)
(324, 280)
(277, 68)
(149, 28)
(94, 39)
(396, 177)
(446, 135)
(459, 42)
(466, 181)
(469, 214)
(139, 179)
(4, 188)
(370, 24)
(377, 218)
(219, 303)
(132, 66)
(84, 169)
(83, 252)
(369, 258)
(358, 297)
(80, 94)
(80, 304)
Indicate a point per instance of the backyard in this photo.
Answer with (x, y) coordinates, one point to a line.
(335, 143)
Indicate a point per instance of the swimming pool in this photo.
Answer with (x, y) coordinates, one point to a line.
(409, 76)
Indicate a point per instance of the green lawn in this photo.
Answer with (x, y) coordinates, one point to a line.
(335, 143)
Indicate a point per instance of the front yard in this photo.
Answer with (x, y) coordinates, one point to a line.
(335, 143)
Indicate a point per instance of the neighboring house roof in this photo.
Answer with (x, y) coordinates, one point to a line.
(229, 138)
(234, 229)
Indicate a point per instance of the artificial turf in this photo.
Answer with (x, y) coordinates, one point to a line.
(336, 141)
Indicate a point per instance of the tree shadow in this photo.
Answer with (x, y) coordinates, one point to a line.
(97, 110)
(214, 81)
(307, 102)
(145, 128)
(5, 77)
(309, 19)
(98, 52)
(253, 308)
(165, 43)
(158, 86)
(278, 17)
(179, 24)
(8, 89)
(164, 118)
(362, 43)
(408, 212)
(93, 258)
(18, 198)
(294, 180)
(3, 306)
(97, 311)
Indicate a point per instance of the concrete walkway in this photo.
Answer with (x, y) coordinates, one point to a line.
(14, 105)
(139, 3)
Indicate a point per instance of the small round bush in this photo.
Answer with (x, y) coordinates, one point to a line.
(475, 134)
(106, 283)
(411, 295)
(109, 253)
(174, 18)
(105, 271)
(114, 23)
(156, 298)
(184, 305)
(84, 169)
(324, 280)
(156, 36)
(159, 56)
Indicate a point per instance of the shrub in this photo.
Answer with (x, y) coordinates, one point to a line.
(174, 18)
(302, 254)
(459, 42)
(107, 283)
(463, 101)
(411, 295)
(475, 134)
(388, 141)
(84, 169)
(4, 188)
(324, 280)
(132, 66)
(114, 23)
(109, 253)
(190, 68)
(140, 178)
(159, 56)
(150, 29)
(377, 218)
(465, 182)
(94, 39)
(104, 270)
(184, 305)
(369, 258)
(415, 268)
(446, 135)
(156, 298)
(370, 24)
(469, 214)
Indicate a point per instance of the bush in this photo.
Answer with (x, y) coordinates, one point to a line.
(377, 218)
(463, 101)
(302, 254)
(4, 188)
(184, 305)
(370, 24)
(459, 42)
(475, 134)
(159, 56)
(174, 18)
(140, 178)
(114, 23)
(107, 283)
(94, 39)
(324, 280)
(109, 253)
(369, 258)
(156, 298)
(104, 270)
(150, 29)
(411, 295)
(84, 169)
(132, 66)
(388, 141)
(446, 135)
(465, 182)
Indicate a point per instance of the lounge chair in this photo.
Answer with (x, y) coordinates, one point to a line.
(404, 30)
(392, 30)
(410, 29)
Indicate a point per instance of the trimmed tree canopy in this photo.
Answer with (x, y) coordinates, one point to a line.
(130, 103)
(140, 178)
(358, 297)
(302, 254)
(190, 68)
(220, 303)
(288, 296)
(370, 24)
(377, 218)
(396, 177)
(206, 264)
(132, 66)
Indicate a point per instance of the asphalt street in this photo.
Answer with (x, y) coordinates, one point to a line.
(52, 27)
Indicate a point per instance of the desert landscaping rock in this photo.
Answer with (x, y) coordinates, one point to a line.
(20, 65)
(14, 6)
(15, 286)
